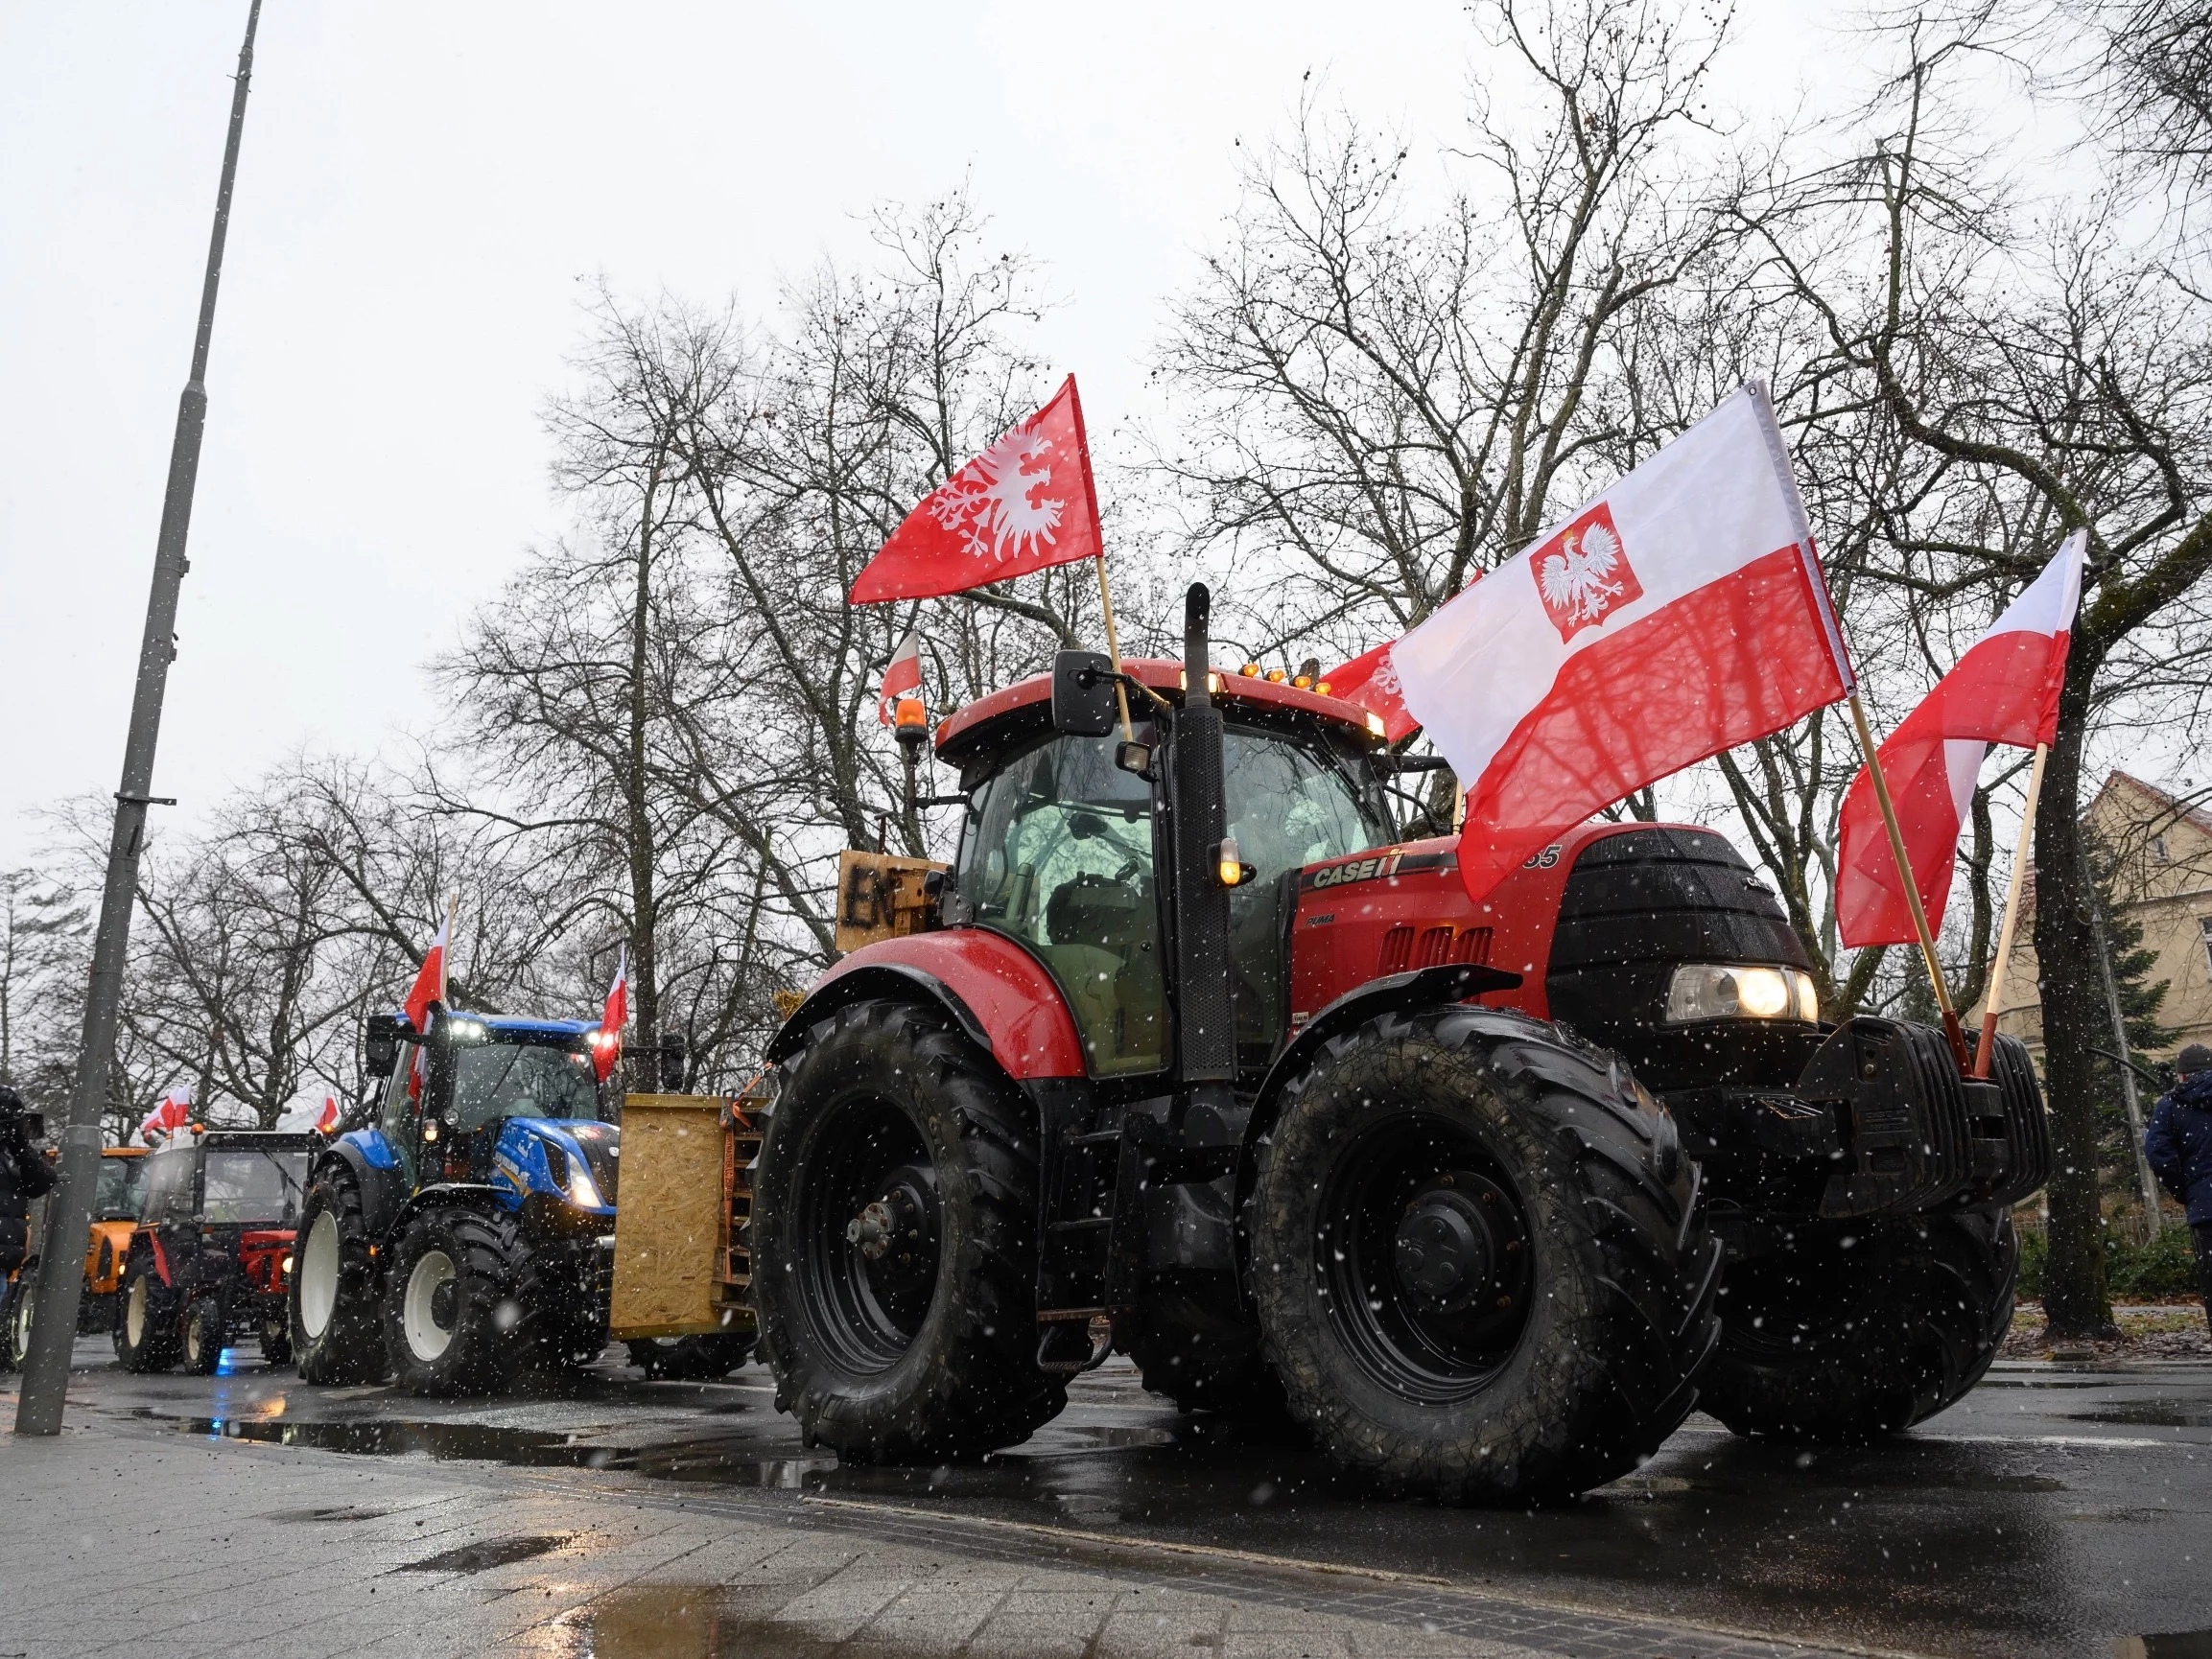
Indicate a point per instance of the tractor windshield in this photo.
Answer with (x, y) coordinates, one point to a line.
(248, 1186)
(120, 1188)
(500, 1080)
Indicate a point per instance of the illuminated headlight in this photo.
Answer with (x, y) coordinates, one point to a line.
(583, 1191)
(458, 1030)
(285, 1267)
(1706, 990)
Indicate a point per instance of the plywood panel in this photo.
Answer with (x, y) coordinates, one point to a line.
(671, 1218)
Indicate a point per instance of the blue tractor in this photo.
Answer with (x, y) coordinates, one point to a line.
(465, 1233)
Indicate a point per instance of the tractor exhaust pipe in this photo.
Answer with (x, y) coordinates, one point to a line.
(1205, 1016)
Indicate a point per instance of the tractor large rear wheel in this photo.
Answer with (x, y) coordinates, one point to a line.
(893, 1242)
(1477, 1273)
(1857, 1330)
(332, 1303)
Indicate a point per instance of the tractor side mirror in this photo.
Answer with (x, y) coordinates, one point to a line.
(380, 1044)
(1083, 694)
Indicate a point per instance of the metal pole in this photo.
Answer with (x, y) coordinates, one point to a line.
(2153, 1218)
(69, 1216)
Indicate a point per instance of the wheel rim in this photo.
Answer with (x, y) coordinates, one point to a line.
(318, 1276)
(868, 1233)
(134, 1313)
(1422, 1251)
(195, 1339)
(19, 1327)
(433, 1285)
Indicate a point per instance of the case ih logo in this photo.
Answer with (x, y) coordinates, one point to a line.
(1359, 870)
(1583, 574)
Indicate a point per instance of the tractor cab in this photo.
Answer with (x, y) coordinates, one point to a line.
(1066, 849)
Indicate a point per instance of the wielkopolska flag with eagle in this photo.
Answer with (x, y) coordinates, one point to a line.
(1023, 505)
(1680, 613)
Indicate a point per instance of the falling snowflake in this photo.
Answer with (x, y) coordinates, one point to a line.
(991, 502)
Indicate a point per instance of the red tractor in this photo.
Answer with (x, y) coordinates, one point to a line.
(1191, 1059)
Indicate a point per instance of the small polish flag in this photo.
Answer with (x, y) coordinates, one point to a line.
(2004, 689)
(900, 678)
(1680, 613)
(327, 1123)
(607, 1041)
(429, 985)
(1370, 681)
(173, 1113)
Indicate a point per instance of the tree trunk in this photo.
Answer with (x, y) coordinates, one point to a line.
(2075, 1302)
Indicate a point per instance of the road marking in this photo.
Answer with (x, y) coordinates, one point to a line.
(1134, 1543)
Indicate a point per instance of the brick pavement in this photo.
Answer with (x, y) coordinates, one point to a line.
(117, 1540)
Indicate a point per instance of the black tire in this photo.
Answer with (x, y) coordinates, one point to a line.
(696, 1359)
(203, 1333)
(559, 1323)
(331, 1302)
(893, 1240)
(1477, 1269)
(15, 1317)
(147, 1337)
(1203, 1362)
(1855, 1330)
(449, 1302)
(276, 1341)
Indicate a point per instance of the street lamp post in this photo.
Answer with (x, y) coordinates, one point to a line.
(69, 1214)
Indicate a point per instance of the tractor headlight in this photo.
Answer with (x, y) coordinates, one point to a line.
(583, 1191)
(1708, 990)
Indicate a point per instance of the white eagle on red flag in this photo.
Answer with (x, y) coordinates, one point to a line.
(992, 504)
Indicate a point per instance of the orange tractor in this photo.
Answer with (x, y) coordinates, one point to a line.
(1188, 1056)
(114, 1218)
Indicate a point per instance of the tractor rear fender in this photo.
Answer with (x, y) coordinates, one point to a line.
(990, 987)
(474, 1194)
(1423, 988)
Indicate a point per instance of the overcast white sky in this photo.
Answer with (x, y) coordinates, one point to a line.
(423, 189)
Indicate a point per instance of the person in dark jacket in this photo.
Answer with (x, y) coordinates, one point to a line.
(24, 1175)
(2178, 1143)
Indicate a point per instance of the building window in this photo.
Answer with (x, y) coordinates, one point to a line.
(2204, 924)
(2158, 850)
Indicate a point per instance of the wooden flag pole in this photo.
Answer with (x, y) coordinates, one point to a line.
(1114, 648)
(445, 956)
(1951, 1027)
(1984, 1049)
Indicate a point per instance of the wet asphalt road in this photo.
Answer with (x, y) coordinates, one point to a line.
(2055, 1511)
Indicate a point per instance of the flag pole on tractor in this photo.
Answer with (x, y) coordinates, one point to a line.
(1026, 504)
(1984, 1048)
(1919, 911)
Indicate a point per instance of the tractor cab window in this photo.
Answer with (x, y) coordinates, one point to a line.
(1289, 805)
(395, 1115)
(1058, 853)
(248, 1186)
(120, 1189)
(168, 1185)
(503, 1080)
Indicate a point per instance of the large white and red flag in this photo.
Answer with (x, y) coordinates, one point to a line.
(1024, 503)
(2004, 689)
(429, 985)
(173, 1113)
(607, 1041)
(902, 677)
(1680, 613)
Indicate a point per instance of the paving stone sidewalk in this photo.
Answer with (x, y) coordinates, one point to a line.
(114, 1541)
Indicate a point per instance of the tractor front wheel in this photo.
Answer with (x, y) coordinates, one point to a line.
(16, 1317)
(449, 1307)
(332, 1303)
(146, 1334)
(204, 1336)
(893, 1241)
(1477, 1269)
(1851, 1330)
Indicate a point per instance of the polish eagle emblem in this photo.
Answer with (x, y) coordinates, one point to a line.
(991, 502)
(1582, 574)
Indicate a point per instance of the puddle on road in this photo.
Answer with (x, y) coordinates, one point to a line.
(335, 1513)
(446, 1442)
(2151, 1415)
(692, 1622)
(489, 1552)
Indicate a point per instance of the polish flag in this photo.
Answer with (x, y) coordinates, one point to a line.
(1370, 681)
(429, 985)
(173, 1113)
(903, 676)
(607, 1041)
(1023, 504)
(1680, 613)
(327, 1123)
(2004, 689)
